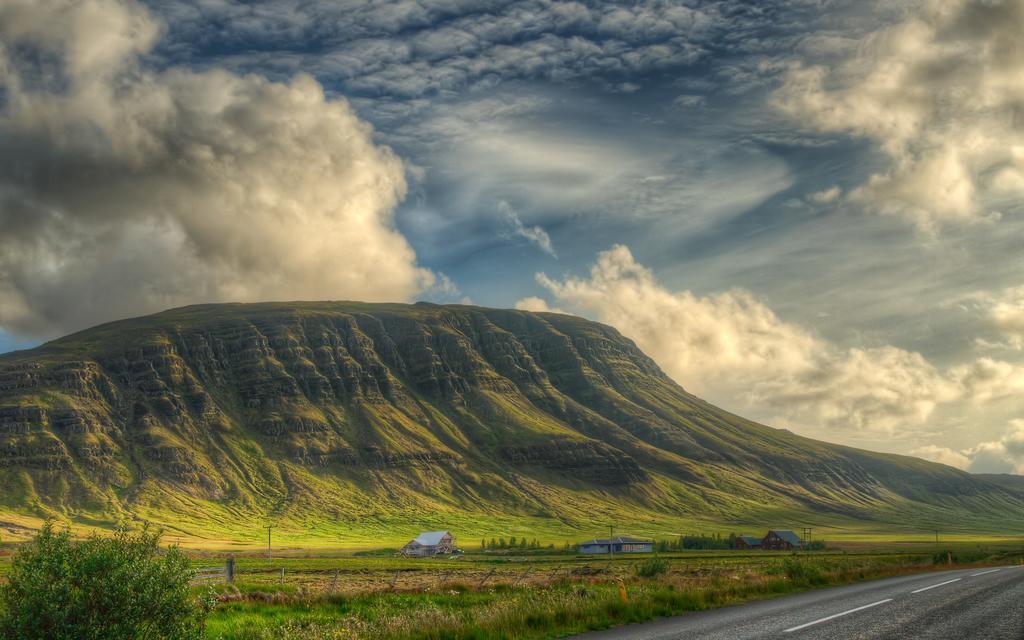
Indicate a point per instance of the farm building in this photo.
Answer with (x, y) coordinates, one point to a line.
(430, 543)
(748, 542)
(781, 541)
(621, 544)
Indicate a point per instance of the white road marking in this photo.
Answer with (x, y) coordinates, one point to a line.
(974, 575)
(838, 615)
(941, 584)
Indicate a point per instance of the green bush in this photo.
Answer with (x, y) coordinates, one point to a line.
(119, 588)
(944, 557)
(652, 568)
(803, 573)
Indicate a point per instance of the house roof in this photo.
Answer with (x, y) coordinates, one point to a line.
(430, 538)
(617, 540)
(788, 536)
(751, 539)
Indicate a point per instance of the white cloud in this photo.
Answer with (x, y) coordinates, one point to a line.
(535, 234)
(689, 101)
(1005, 455)
(511, 148)
(733, 349)
(987, 379)
(697, 338)
(535, 304)
(1007, 314)
(943, 455)
(826, 196)
(938, 93)
(125, 189)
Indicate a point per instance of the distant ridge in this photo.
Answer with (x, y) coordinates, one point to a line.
(1006, 480)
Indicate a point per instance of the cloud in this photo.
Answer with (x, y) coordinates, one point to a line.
(988, 379)
(686, 331)
(1007, 314)
(535, 304)
(689, 101)
(943, 455)
(535, 234)
(732, 348)
(419, 48)
(939, 94)
(126, 189)
(528, 150)
(826, 196)
(1005, 455)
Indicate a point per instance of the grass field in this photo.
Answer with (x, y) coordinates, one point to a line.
(372, 533)
(320, 594)
(541, 595)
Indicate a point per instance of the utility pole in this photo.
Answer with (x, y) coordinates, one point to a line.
(270, 558)
(611, 545)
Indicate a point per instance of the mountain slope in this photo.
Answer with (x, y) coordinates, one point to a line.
(354, 420)
(1009, 481)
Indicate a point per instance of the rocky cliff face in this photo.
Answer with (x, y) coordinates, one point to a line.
(274, 406)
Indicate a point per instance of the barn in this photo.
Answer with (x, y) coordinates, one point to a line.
(748, 542)
(781, 541)
(429, 543)
(621, 544)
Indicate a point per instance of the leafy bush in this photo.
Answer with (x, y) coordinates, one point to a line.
(652, 567)
(803, 573)
(119, 588)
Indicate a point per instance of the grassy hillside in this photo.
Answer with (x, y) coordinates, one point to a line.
(352, 423)
(1008, 481)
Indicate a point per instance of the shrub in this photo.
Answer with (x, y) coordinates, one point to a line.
(803, 573)
(944, 557)
(119, 588)
(652, 567)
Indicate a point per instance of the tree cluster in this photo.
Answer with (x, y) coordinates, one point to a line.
(501, 544)
(698, 542)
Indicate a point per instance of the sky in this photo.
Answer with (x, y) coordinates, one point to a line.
(806, 211)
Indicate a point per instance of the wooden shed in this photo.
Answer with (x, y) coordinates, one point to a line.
(429, 543)
(781, 540)
(748, 542)
(620, 544)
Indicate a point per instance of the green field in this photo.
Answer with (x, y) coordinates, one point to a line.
(296, 536)
(537, 595)
(321, 593)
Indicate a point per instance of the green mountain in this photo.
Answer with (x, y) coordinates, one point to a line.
(1008, 481)
(352, 422)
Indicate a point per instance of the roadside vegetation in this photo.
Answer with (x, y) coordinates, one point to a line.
(57, 587)
(124, 587)
(531, 596)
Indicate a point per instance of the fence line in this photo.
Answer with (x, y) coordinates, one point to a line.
(512, 576)
(225, 573)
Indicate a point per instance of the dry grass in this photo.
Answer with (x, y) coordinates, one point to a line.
(547, 603)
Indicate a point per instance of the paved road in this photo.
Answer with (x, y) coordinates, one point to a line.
(968, 604)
